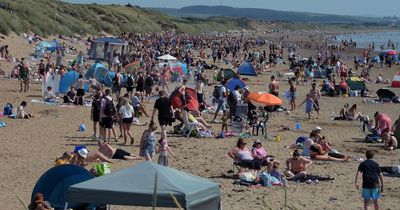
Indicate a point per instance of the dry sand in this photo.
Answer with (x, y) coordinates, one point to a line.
(29, 147)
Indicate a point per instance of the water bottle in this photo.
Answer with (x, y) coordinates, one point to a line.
(333, 116)
(284, 181)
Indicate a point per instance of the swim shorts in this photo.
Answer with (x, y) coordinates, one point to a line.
(371, 193)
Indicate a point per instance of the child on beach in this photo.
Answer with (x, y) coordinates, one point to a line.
(309, 106)
(389, 141)
(372, 176)
(225, 118)
(163, 149)
(148, 142)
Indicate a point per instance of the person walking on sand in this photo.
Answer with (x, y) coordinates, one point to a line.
(309, 106)
(315, 95)
(126, 114)
(164, 107)
(148, 142)
(292, 94)
(372, 185)
(274, 86)
(80, 91)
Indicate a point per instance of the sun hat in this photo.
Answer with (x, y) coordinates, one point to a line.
(83, 152)
(257, 141)
(317, 128)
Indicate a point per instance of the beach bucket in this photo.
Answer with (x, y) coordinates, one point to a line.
(82, 127)
(277, 138)
(298, 126)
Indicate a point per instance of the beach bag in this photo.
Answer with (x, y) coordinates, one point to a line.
(8, 109)
(216, 92)
(102, 169)
(129, 82)
(247, 177)
(109, 109)
(396, 169)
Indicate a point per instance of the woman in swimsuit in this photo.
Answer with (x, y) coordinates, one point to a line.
(352, 113)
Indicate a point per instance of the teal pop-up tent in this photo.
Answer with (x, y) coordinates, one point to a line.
(134, 186)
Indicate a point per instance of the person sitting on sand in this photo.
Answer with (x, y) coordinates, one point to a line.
(49, 95)
(259, 153)
(64, 159)
(82, 157)
(110, 152)
(137, 105)
(70, 96)
(39, 203)
(241, 154)
(320, 151)
(21, 114)
(352, 113)
(390, 142)
(296, 166)
(343, 87)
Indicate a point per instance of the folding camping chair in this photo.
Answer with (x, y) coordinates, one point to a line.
(371, 137)
(188, 126)
(239, 166)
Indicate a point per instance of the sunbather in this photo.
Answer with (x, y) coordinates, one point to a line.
(352, 113)
(390, 142)
(243, 155)
(113, 153)
(296, 166)
(82, 157)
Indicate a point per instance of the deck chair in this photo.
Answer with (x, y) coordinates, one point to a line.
(372, 136)
(241, 167)
(188, 126)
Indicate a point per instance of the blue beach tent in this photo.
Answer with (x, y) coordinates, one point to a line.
(231, 84)
(247, 69)
(68, 80)
(54, 184)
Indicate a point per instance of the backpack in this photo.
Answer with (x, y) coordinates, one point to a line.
(231, 98)
(8, 109)
(129, 82)
(149, 81)
(109, 109)
(216, 92)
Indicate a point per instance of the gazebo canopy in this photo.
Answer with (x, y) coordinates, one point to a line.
(134, 186)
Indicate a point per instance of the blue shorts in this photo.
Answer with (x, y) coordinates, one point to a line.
(221, 105)
(371, 193)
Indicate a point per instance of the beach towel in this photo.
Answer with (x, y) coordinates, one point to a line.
(315, 177)
(35, 101)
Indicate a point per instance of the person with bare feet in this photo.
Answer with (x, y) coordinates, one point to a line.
(296, 166)
(110, 152)
(315, 95)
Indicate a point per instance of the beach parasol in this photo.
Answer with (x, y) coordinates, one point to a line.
(385, 94)
(391, 52)
(167, 57)
(266, 99)
(132, 67)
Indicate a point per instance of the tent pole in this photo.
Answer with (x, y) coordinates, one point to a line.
(66, 206)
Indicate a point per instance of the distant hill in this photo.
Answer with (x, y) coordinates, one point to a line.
(266, 14)
(49, 17)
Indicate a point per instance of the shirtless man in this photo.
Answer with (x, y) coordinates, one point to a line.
(113, 153)
(274, 86)
(296, 166)
(315, 95)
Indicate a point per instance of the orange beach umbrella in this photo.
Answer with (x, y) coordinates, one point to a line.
(264, 99)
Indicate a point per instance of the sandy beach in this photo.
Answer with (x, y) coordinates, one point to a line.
(29, 147)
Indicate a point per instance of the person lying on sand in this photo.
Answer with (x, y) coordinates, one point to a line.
(296, 166)
(110, 152)
(82, 157)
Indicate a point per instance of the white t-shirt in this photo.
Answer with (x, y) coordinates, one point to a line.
(237, 96)
(222, 91)
(126, 112)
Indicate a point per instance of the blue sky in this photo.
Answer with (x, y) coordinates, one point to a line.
(343, 7)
